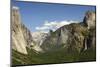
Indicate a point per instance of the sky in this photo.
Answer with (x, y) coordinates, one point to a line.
(45, 16)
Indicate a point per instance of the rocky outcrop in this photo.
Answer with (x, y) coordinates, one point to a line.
(21, 36)
(73, 37)
(90, 19)
(90, 23)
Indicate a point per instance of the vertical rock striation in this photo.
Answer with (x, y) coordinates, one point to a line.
(21, 36)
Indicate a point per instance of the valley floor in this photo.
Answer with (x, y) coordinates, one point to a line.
(59, 56)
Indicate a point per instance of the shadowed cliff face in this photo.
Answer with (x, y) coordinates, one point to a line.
(73, 37)
(21, 37)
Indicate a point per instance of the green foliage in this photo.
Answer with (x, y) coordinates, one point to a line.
(88, 55)
(57, 56)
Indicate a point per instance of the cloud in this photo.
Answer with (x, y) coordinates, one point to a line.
(15, 7)
(42, 28)
(54, 25)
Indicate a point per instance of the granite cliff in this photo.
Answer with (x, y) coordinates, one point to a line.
(73, 37)
(21, 36)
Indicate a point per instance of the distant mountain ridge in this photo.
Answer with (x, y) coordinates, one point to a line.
(74, 36)
(39, 36)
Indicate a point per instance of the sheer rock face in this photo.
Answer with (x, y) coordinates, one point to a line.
(73, 37)
(90, 19)
(21, 37)
(90, 22)
(70, 37)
